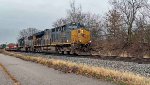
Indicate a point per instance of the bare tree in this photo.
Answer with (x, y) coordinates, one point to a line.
(60, 22)
(27, 32)
(147, 34)
(75, 14)
(114, 24)
(115, 32)
(129, 9)
(137, 48)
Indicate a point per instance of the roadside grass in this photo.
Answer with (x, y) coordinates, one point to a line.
(121, 78)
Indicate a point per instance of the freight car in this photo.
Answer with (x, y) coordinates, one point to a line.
(11, 47)
(67, 39)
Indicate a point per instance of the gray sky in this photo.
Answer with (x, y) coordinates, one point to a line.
(19, 14)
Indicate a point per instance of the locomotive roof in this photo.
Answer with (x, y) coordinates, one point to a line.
(39, 34)
(69, 24)
(21, 38)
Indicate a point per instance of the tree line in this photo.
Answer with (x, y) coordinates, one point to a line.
(124, 29)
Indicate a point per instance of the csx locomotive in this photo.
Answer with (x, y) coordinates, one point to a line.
(72, 38)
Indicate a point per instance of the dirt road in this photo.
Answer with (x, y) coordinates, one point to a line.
(28, 73)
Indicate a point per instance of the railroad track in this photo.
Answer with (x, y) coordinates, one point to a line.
(111, 58)
(125, 59)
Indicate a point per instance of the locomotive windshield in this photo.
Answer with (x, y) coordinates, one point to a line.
(76, 25)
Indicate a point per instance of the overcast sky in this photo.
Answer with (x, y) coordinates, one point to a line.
(19, 14)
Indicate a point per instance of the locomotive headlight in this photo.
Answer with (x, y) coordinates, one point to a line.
(90, 41)
(81, 31)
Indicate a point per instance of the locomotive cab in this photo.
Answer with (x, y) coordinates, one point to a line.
(80, 36)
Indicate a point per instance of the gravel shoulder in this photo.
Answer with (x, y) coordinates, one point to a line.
(4, 79)
(28, 73)
(141, 69)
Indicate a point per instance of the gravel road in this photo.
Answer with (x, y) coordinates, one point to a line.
(142, 69)
(28, 73)
(4, 79)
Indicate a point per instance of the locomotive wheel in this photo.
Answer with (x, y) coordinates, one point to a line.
(62, 52)
(68, 52)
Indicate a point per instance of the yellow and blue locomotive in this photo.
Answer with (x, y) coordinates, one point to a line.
(70, 38)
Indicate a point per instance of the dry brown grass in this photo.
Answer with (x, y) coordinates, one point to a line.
(122, 78)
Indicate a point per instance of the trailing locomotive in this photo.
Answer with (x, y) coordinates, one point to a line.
(69, 39)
